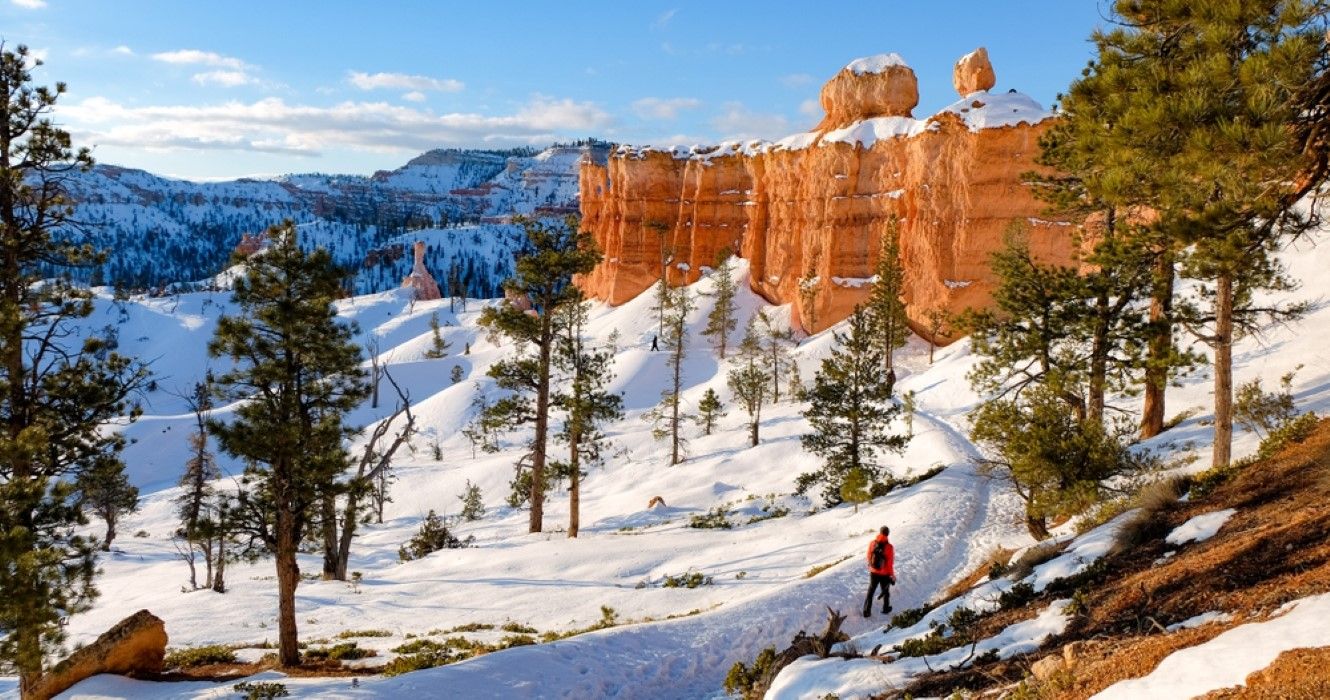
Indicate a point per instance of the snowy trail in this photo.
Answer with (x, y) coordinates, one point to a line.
(684, 658)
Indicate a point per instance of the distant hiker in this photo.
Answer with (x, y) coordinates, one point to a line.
(881, 571)
(655, 347)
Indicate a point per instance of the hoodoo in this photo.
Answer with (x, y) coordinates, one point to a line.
(809, 211)
(420, 280)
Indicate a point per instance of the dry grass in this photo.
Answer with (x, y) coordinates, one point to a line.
(998, 556)
(1275, 549)
(1032, 557)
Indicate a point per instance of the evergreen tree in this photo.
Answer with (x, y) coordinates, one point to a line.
(850, 410)
(473, 504)
(1221, 105)
(884, 302)
(710, 410)
(676, 344)
(721, 321)
(455, 374)
(585, 401)
(937, 319)
(749, 382)
(544, 279)
(775, 343)
(55, 393)
(298, 373)
(106, 492)
(856, 489)
(438, 347)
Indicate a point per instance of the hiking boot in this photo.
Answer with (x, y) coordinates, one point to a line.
(886, 610)
(868, 613)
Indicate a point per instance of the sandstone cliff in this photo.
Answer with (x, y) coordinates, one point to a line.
(809, 211)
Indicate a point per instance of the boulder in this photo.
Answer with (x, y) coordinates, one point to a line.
(973, 73)
(876, 86)
(1047, 667)
(133, 647)
(420, 280)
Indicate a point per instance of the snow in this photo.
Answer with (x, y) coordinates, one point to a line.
(1200, 528)
(810, 677)
(1200, 621)
(869, 131)
(1227, 660)
(876, 64)
(988, 110)
(943, 527)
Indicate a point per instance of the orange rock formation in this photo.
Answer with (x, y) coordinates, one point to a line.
(420, 280)
(809, 211)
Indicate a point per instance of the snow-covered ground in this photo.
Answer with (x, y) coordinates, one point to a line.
(760, 593)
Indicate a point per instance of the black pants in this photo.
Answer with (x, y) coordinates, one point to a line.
(874, 581)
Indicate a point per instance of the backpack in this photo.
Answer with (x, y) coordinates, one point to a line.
(878, 559)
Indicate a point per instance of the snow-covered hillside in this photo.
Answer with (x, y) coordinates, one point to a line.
(159, 230)
(672, 642)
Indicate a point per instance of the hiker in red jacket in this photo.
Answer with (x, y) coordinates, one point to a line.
(881, 571)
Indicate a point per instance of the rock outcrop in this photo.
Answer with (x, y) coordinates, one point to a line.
(420, 280)
(809, 211)
(973, 73)
(134, 647)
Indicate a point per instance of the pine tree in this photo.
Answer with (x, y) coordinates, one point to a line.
(937, 320)
(676, 344)
(55, 394)
(709, 410)
(775, 343)
(856, 489)
(439, 347)
(1224, 119)
(455, 374)
(105, 491)
(850, 410)
(721, 321)
(749, 382)
(473, 504)
(884, 302)
(544, 279)
(298, 373)
(585, 401)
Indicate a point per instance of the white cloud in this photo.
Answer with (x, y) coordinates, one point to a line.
(415, 96)
(196, 57)
(272, 125)
(123, 50)
(795, 80)
(662, 20)
(810, 108)
(663, 108)
(739, 122)
(29, 4)
(224, 78)
(402, 81)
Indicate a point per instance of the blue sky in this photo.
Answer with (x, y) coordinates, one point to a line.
(224, 89)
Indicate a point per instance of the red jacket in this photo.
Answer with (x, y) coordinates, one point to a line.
(889, 568)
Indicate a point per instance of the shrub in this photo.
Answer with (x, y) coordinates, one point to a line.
(692, 579)
(911, 617)
(468, 627)
(199, 656)
(432, 536)
(1290, 433)
(717, 518)
(473, 506)
(421, 646)
(1017, 596)
(346, 651)
(814, 571)
(418, 662)
(515, 640)
(518, 628)
(352, 634)
(261, 690)
(741, 679)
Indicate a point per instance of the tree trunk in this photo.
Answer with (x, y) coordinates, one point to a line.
(1223, 446)
(349, 519)
(1037, 526)
(219, 572)
(288, 577)
(110, 531)
(1160, 347)
(328, 507)
(537, 521)
(574, 483)
(674, 406)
